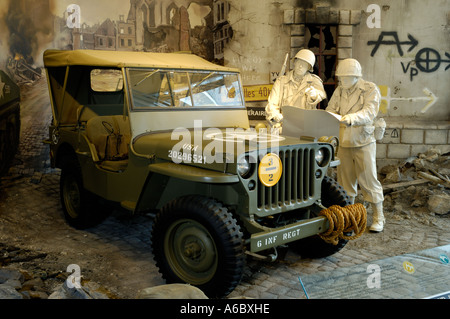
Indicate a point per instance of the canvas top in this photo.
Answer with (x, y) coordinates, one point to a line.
(119, 59)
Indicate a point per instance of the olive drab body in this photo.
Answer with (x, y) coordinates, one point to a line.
(169, 133)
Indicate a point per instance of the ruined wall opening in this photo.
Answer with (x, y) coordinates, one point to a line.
(326, 31)
(322, 41)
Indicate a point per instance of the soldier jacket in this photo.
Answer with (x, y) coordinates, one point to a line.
(361, 103)
(287, 91)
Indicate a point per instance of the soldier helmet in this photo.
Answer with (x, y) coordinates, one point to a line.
(307, 56)
(349, 67)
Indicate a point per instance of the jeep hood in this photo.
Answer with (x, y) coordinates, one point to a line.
(214, 149)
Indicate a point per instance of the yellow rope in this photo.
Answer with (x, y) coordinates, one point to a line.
(344, 220)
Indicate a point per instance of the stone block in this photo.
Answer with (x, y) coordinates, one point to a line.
(345, 53)
(344, 17)
(334, 17)
(310, 16)
(297, 29)
(444, 125)
(445, 148)
(288, 17)
(293, 52)
(345, 42)
(418, 149)
(381, 151)
(400, 151)
(172, 291)
(322, 14)
(412, 137)
(345, 30)
(299, 15)
(436, 136)
(391, 136)
(439, 204)
(355, 17)
(297, 42)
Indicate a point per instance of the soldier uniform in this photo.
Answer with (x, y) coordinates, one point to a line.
(358, 106)
(305, 92)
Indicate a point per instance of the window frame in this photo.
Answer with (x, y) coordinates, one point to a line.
(321, 54)
(239, 90)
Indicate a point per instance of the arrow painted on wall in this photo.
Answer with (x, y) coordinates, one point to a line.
(412, 42)
(430, 97)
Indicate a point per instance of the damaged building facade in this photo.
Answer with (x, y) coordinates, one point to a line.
(149, 25)
(403, 46)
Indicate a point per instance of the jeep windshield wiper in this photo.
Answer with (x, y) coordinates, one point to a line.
(146, 77)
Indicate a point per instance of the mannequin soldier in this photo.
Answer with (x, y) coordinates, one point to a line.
(298, 88)
(358, 101)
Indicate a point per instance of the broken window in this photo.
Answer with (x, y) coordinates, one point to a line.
(322, 40)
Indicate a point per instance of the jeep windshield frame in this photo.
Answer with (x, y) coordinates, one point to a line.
(183, 89)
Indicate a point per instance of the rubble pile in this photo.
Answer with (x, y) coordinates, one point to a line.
(22, 276)
(421, 184)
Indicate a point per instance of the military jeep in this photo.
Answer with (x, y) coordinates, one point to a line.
(170, 133)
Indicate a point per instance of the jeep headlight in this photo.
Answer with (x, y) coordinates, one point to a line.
(322, 156)
(333, 140)
(244, 167)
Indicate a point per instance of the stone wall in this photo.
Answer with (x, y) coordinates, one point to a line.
(405, 52)
(322, 14)
(410, 138)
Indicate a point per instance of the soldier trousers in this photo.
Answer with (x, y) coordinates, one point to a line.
(358, 166)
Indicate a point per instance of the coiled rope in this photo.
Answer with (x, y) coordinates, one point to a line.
(352, 218)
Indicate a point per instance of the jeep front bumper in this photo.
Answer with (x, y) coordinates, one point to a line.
(286, 234)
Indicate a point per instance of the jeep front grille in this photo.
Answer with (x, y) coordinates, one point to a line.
(296, 184)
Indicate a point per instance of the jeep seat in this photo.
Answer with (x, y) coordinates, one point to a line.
(110, 135)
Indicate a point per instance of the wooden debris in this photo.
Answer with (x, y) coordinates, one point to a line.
(394, 186)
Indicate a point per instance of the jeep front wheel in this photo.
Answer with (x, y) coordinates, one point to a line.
(315, 247)
(196, 240)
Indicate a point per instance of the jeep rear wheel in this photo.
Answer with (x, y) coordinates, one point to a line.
(315, 247)
(196, 240)
(79, 205)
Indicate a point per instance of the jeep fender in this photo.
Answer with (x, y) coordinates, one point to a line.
(168, 180)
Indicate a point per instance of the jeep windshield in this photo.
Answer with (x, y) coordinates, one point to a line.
(162, 89)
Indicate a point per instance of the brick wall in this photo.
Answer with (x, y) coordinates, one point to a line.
(297, 18)
(409, 138)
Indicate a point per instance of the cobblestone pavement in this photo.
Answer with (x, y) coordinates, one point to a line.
(116, 253)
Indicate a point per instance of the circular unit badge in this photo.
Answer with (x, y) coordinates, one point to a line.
(270, 170)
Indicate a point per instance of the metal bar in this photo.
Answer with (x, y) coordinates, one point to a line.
(287, 234)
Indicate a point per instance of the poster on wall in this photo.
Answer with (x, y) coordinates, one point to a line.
(28, 28)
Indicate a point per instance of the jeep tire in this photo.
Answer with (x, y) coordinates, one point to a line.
(79, 206)
(196, 240)
(315, 247)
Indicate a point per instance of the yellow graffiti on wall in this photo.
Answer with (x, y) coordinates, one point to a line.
(386, 99)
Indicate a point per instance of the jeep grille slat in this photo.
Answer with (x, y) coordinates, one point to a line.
(296, 184)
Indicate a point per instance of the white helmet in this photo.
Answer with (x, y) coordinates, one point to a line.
(349, 67)
(307, 56)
